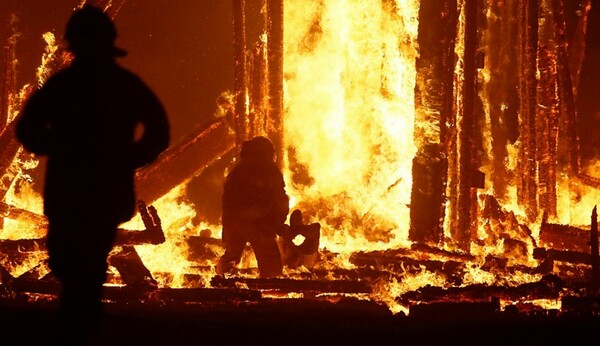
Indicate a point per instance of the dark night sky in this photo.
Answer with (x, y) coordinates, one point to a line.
(182, 49)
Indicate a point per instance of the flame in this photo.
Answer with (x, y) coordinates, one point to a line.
(171, 256)
(349, 110)
(26, 263)
(545, 304)
(386, 291)
(576, 199)
(350, 135)
(43, 71)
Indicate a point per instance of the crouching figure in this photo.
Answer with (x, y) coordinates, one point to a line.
(255, 206)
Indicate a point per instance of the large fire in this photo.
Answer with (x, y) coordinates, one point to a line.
(351, 80)
(352, 133)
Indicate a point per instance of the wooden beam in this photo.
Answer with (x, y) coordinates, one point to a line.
(275, 124)
(181, 162)
(240, 74)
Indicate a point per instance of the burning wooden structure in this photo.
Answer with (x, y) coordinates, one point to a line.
(497, 102)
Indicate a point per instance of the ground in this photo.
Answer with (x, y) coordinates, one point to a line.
(299, 322)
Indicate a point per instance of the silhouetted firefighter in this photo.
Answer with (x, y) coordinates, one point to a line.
(255, 206)
(85, 120)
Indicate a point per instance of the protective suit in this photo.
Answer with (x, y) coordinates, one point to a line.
(254, 208)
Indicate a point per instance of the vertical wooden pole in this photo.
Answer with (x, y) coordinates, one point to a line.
(527, 55)
(5, 95)
(275, 79)
(501, 88)
(7, 86)
(257, 85)
(433, 90)
(565, 83)
(588, 88)
(576, 45)
(9, 146)
(239, 84)
(461, 235)
(547, 125)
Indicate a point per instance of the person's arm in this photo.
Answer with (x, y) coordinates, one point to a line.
(281, 200)
(156, 129)
(32, 126)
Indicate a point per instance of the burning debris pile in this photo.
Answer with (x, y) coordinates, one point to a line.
(444, 163)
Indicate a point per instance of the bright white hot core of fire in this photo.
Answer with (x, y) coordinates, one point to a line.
(349, 70)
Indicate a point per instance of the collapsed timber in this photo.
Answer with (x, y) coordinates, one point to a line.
(567, 250)
(575, 287)
(567, 258)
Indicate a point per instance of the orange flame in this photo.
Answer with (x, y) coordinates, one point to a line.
(349, 110)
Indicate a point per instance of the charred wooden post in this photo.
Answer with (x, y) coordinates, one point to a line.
(449, 137)
(527, 55)
(449, 62)
(259, 103)
(181, 162)
(576, 44)
(8, 143)
(6, 91)
(448, 115)
(461, 234)
(8, 85)
(547, 128)
(595, 257)
(565, 87)
(275, 69)
(433, 89)
(589, 88)
(240, 88)
(427, 196)
(501, 89)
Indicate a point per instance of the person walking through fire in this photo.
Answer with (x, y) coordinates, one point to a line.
(96, 122)
(255, 206)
